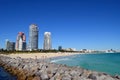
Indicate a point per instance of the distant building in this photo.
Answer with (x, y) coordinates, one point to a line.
(21, 40)
(70, 49)
(47, 41)
(84, 50)
(10, 46)
(33, 37)
(110, 51)
(59, 48)
(24, 46)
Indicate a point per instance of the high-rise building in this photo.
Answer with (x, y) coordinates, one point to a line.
(33, 37)
(20, 44)
(59, 48)
(6, 44)
(21, 39)
(47, 41)
(10, 46)
(24, 46)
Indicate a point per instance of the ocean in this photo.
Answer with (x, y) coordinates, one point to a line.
(5, 75)
(104, 62)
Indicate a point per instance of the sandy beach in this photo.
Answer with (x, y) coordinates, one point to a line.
(39, 55)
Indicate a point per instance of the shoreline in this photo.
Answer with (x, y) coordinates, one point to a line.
(29, 68)
(39, 55)
(46, 55)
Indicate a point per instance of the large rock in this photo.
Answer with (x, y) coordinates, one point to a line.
(117, 76)
(44, 75)
(66, 76)
(92, 76)
(73, 73)
(36, 78)
(57, 76)
(76, 78)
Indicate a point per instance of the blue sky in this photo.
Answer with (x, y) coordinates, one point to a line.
(90, 24)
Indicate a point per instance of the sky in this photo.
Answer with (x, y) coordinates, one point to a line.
(80, 24)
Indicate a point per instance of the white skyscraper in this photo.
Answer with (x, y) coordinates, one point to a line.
(6, 43)
(21, 41)
(47, 41)
(20, 44)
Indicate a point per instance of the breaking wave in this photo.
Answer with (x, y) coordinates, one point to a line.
(57, 60)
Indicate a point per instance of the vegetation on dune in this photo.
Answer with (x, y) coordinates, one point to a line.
(2, 51)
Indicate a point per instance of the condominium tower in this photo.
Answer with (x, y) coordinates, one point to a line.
(21, 41)
(10, 46)
(47, 41)
(33, 37)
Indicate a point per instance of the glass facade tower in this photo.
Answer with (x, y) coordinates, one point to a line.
(47, 41)
(33, 37)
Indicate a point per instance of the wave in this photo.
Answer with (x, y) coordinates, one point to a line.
(57, 60)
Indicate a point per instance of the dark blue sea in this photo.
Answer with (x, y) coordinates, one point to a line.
(108, 62)
(5, 75)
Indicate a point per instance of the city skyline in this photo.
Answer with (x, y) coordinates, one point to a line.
(76, 24)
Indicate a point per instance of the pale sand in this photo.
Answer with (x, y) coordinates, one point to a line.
(39, 55)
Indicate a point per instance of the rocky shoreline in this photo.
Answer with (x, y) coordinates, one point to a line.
(40, 69)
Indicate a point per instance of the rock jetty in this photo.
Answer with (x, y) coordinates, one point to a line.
(36, 69)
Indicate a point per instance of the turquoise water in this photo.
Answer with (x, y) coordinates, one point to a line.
(108, 62)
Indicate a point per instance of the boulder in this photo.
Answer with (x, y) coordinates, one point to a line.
(36, 78)
(92, 76)
(44, 75)
(66, 78)
(73, 73)
(117, 76)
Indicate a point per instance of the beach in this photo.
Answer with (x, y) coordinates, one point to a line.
(39, 55)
